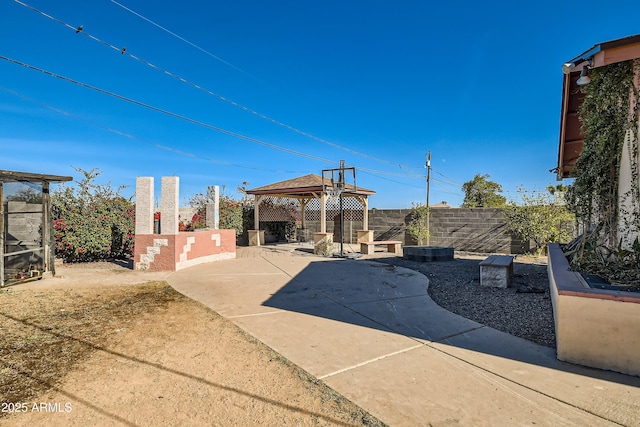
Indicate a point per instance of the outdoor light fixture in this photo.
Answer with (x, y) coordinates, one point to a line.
(584, 77)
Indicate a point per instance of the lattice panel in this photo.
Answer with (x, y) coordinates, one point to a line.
(353, 209)
(280, 209)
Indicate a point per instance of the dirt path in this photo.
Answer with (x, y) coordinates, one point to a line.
(144, 355)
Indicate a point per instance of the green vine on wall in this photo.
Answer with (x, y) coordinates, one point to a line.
(609, 116)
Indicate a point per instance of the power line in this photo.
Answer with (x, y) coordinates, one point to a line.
(178, 37)
(181, 117)
(123, 50)
(365, 171)
(166, 112)
(446, 190)
(442, 183)
(406, 175)
(136, 138)
(446, 177)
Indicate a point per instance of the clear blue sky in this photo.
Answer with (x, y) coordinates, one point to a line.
(376, 83)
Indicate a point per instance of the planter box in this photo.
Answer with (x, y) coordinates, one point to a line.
(594, 327)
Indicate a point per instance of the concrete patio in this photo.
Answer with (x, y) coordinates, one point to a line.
(371, 332)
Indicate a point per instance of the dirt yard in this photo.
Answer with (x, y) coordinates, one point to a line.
(92, 348)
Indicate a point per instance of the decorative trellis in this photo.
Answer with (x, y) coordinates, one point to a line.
(352, 207)
(289, 209)
(286, 209)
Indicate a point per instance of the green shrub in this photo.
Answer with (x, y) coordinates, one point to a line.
(417, 226)
(92, 222)
(230, 215)
(538, 220)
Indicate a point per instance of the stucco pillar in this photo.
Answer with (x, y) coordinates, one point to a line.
(169, 205)
(256, 236)
(144, 205)
(213, 207)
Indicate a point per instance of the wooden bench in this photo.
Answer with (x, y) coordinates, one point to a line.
(393, 246)
(496, 271)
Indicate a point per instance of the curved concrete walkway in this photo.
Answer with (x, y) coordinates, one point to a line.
(372, 333)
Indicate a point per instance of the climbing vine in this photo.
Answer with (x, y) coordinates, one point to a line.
(609, 116)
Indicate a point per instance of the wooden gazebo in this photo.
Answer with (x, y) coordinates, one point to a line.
(26, 229)
(305, 189)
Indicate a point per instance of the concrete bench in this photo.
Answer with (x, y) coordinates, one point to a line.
(393, 246)
(496, 271)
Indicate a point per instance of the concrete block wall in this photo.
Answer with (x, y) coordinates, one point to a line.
(473, 229)
(465, 229)
(480, 230)
(390, 224)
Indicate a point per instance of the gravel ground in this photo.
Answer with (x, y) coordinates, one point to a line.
(523, 310)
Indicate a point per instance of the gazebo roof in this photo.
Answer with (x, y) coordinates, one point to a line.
(304, 186)
(13, 176)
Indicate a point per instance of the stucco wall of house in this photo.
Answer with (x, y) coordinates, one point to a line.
(628, 227)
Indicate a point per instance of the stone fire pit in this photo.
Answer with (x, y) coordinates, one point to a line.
(427, 253)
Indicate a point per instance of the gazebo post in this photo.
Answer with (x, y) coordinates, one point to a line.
(323, 212)
(303, 205)
(256, 236)
(365, 213)
(48, 254)
(365, 235)
(323, 241)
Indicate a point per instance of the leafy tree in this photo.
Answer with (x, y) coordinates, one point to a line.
(417, 226)
(481, 192)
(91, 221)
(538, 219)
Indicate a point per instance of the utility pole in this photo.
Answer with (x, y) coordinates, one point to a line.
(428, 166)
(342, 188)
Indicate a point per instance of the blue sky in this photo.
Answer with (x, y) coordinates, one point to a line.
(376, 83)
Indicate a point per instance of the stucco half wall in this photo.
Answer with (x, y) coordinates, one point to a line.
(594, 327)
(172, 252)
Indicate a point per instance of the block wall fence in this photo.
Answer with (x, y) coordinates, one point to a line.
(481, 230)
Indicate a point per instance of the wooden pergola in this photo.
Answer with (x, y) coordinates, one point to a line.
(35, 241)
(305, 189)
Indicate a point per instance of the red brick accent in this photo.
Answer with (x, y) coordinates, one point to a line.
(171, 252)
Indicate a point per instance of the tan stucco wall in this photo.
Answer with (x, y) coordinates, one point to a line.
(594, 327)
(599, 333)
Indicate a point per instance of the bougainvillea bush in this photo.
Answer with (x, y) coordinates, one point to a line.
(91, 221)
(231, 215)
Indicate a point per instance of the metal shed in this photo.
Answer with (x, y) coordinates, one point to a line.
(27, 244)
